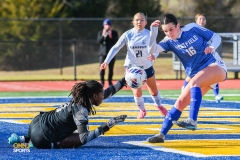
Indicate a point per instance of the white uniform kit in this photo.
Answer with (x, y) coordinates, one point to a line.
(137, 48)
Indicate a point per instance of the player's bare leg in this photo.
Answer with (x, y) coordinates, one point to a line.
(152, 88)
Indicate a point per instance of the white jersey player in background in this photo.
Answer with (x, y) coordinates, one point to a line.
(195, 47)
(137, 42)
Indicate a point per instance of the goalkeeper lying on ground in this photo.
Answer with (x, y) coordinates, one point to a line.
(55, 129)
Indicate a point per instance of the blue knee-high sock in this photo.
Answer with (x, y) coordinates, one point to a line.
(185, 83)
(196, 99)
(173, 115)
(216, 90)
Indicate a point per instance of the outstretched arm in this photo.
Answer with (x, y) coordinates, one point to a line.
(113, 51)
(110, 91)
(153, 46)
(84, 135)
(153, 36)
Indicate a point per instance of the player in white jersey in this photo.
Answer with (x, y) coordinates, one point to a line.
(200, 19)
(137, 42)
(194, 46)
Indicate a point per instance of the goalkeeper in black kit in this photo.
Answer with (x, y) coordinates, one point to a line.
(55, 129)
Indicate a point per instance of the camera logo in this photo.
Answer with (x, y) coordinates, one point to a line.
(21, 147)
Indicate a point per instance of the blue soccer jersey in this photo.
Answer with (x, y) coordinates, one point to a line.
(190, 46)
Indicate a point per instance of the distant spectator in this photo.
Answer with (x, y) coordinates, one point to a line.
(200, 19)
(106, 38)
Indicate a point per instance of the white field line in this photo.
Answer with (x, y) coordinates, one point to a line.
(158, 148)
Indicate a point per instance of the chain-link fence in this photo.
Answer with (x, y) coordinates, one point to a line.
(43, 44)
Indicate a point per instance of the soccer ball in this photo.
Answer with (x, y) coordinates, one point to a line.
(135, 77)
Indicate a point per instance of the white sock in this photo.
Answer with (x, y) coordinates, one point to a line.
(157, 99)
(139, 102)
(162, 136)
(22, 139)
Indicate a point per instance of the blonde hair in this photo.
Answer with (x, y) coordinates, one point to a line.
(199, 14)
(141, 14)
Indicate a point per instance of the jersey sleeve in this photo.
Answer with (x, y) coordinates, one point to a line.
(111, 90)
(115, 49)
(211, 37)
(156, 55)
(153, 46)
(80, 116)
(163, 45)
(203, 32)
(215, 41)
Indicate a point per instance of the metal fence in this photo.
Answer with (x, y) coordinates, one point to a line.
(47, 43)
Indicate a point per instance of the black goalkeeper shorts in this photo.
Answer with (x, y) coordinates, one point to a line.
(36, 134)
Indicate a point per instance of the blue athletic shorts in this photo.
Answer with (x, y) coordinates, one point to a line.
(150, 72)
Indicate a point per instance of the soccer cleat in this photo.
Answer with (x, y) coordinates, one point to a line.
(141, 114)
(158, 138)
(31, 144)
(14, 139)
(188, 124)
(162, 110)
(218, 98)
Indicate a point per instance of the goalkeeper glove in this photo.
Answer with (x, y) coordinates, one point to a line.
(112, 122)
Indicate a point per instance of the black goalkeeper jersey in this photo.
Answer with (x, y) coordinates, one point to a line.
(59, 123)
(63, 121)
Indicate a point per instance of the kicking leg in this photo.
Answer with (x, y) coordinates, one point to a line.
(173, 115)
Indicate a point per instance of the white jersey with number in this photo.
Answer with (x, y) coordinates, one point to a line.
(137, 48)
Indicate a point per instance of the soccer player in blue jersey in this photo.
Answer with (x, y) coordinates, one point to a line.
(137, 41)
(200, 19)
(195, 47)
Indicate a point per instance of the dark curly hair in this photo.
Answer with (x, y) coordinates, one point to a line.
(83, 91)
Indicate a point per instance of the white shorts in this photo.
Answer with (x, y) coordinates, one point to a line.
(219, 61)
(221, 64)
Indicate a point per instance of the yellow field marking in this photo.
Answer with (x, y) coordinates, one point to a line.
(107, 110)
(26, 109)
(125, 106)
(19, 115)
(222, 119)
(144, 129)
(27, 104)
(199, 148)
(211, 147)
(195, 148)
(24, 121)
(220, 113)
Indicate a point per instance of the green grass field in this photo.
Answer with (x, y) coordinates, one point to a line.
(229, 95)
